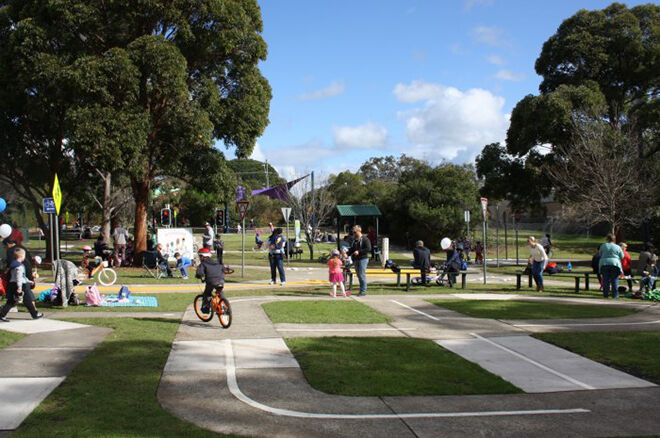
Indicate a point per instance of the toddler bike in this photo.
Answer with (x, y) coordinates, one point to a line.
(218, 305)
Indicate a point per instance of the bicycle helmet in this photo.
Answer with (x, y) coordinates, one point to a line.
(86, 248)
(204, 252)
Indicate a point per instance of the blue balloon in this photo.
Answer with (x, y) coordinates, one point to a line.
(3, 205)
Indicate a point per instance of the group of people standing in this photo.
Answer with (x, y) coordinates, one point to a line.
(613, 261)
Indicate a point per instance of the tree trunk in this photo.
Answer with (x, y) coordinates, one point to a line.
(141, 192)
(107, 207)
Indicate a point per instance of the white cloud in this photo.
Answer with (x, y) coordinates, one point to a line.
(417, 91)
(469, 4)
(368, 135)
(257, 153)
(490, 35)
(334, 89)
(299, 156)
(508, 75)
(451, 124)
(496, 60)
(457, 49)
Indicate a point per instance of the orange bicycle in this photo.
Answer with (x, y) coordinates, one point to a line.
(219, 305)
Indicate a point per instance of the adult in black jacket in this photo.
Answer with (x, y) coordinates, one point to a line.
(213, 274)
(422, 260)
(360, 250)
(12, 246)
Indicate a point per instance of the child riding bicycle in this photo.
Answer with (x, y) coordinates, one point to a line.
(212, 273)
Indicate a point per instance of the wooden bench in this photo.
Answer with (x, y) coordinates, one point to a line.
(408, 272)
(576, 275)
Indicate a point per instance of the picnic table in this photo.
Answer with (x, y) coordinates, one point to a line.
(408, 272)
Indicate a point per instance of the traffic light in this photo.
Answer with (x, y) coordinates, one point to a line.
(219, 217)
(165, 217)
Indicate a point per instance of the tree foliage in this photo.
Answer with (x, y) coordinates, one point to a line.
(143, 88)
(418, 200)
(521, 181)
(604, 63)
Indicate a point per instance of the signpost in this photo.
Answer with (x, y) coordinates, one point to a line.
(466, 215)
(286, 212)
(484, 210)
(242, 209)
(52, 207)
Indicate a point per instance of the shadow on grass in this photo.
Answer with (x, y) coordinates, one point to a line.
(113, 392)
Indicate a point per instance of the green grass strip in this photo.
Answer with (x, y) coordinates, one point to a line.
(340, 311)
(512, 309)
(391, 366)
(635, 353)
(112, 393)
(9, 338)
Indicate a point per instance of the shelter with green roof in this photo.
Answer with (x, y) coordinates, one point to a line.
(356, 211)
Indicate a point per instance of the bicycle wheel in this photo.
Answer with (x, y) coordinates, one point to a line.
(225, 313)
(197, 305)
(107, 277)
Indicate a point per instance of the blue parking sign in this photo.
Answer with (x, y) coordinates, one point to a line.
(49, 206)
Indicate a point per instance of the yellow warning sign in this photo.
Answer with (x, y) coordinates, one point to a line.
(57, 194)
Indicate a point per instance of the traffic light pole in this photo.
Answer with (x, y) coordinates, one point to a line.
(243, 249)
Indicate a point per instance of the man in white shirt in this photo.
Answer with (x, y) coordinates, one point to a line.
(539, 260)
(207, 237)
(120, 236)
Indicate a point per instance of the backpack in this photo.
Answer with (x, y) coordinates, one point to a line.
(73, 300)
(56, 296)
(464, 265)
(92, 296)
(123, 293)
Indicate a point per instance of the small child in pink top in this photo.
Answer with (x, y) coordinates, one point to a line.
(336, 275)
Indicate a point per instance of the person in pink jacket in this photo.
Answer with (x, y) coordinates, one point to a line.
(336, 275)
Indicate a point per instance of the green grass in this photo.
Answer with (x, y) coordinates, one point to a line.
(635, 353)
(112, 393)
(512, 309)
(323, 312)
(390, 367)
(8, 338)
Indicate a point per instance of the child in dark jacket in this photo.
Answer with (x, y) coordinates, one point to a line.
(212, 273)
(19, 285)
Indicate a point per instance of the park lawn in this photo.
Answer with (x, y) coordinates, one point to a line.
(140, 276)
(9, 338)
(513, 309)
(112, 393)
(391, 367)
(341, 311)
(635, 353)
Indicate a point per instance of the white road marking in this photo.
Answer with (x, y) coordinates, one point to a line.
(535, 363)
(416, 311)
(344, 330)
(232, 383)
(587, 324)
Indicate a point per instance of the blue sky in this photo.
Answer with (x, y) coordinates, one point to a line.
(435, 79)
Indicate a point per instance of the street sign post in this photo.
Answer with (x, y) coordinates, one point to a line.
(466, 215)
(57, 195)
(484, 210)
(242, 209)
(286, 212)
(49, 206)
(55, 223)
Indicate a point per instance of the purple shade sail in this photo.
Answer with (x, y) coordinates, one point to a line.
(279, 191)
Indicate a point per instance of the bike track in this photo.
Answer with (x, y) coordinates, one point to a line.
(243, 380)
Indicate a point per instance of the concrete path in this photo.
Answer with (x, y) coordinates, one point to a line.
(37, 364)
(244, 380)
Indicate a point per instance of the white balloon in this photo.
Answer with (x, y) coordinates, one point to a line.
(5, 230)
(445, 243)
(37, 260)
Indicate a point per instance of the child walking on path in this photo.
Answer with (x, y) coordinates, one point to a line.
(19, 285)
(336, 276)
